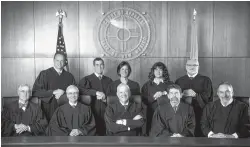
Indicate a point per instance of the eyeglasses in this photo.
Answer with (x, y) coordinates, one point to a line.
(24, 91)
(72, 93)
(194, 65)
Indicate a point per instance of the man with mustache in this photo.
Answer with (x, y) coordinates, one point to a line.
(225, 117)
(197, 91)
(174, 119)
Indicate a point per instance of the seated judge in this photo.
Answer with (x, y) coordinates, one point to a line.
(123, 71)
(73, 118)
(225, 117)
(22, 117)
(50, 85)
(154, 90)
(174, 119)
(197, 91)
(124, 117)
(96, 85)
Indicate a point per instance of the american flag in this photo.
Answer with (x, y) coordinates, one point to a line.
(194, 42)
(60, 46)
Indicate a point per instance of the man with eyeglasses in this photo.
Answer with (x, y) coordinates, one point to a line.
(22, 117)
(173, 119)
(225, 117)
(72, 118)
(96, 85)
(197, 90)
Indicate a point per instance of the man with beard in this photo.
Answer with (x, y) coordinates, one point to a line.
(174, 119)
(197, 90)
(124, 117)
(22, 117)
(226, 117)
(96, 85)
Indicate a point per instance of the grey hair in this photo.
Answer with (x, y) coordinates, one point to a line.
(72, 86)
(226, 83)
(22, 85)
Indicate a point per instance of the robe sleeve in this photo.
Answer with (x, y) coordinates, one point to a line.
(205, 120)
(189, 127)
(133, 124)
(57, 125)
(111, 123)
(39, 125)
(7, 125)
(243, 130)
(88, 127)
(159, 128)
(39, 87)
(206, 95)
(85, 87)
(144, 94)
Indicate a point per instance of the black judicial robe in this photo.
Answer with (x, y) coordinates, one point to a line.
(166, 121)
(134, 87)
(202, 85)
(148, 90)
(88, 86)
(228, 120)
(47, 81)
(32, 116)
(117, 111)
(67, 118)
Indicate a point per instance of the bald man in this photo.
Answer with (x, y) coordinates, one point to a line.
(124, 117)
(225, 117)
(197, 91)
(22, 117)
(73, 118)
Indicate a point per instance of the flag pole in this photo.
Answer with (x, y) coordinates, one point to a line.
(60, 47)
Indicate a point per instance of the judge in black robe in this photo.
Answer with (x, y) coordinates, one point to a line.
(96, 85)
(124, 117)
(23, 118)
(51, 84)
(175, 119)
(226, 117)
(154, 91)
(72, 118)
(124, 71)
(197, 90)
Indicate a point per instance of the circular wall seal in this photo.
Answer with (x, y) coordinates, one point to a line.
(124, 33)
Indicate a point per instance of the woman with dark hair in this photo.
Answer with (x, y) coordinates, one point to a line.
(123, 71)
(154, 90)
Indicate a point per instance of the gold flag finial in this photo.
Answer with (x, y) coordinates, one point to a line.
(61, 13)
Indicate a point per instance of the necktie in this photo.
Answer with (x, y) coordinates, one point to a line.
(125, 106)
(21, 105)
(191, 78)
(175, 108)
(100, 77)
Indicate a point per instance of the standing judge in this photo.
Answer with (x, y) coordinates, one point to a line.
(226, 117)
(124, 117)
(22, 117)
(51, 84)
(174, 119)
(197, 90)
(73, 118)
(96, 85)
(154, 91)
(123, 71)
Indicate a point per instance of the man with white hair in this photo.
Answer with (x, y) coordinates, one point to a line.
(22, 117)
(173, 119)
(225, 117)
(197, 90)
(73, 118)
(124, 117)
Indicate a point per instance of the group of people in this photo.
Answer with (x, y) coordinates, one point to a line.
(181, 109)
